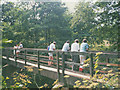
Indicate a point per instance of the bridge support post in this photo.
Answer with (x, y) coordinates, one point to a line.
(7, 50)
(25, 56)
(38, 61)
(15, 58)
(58, 66)
(63, 68)
(107, 60)
(91, 65)
(63, 64)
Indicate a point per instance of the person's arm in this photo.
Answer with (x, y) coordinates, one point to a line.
(21, 46)
(53, 47)
(87, 47)
(78, 47)
(68, 48)
(14, 47)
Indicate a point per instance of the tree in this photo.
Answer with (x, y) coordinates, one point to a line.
(83, 21)
(35, 23)
(97, 22)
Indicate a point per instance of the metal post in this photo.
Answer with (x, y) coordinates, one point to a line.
(91, 65)
(25, 56)
(38, 61)
(58, 72)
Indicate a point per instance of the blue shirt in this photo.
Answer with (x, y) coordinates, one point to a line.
(83, 47)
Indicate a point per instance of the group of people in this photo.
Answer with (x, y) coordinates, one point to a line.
(17, 47)
(75, 47)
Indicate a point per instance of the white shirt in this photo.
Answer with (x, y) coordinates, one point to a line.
(75, 47)
(83, 47)
(17, 49)
(65, 47)
(21, 46)
(52, 46)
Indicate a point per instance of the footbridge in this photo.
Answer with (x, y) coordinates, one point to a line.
(38, 58)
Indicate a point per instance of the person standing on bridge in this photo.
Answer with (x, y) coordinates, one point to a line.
(51, 48)
(66, 48)
(20, 45)
(16, 50)
(83, 48)
(75, 58)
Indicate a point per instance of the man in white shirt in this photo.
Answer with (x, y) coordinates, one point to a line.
(66, 46)
(51, 48)
(20, 45)
(83, 48)
(75, 58)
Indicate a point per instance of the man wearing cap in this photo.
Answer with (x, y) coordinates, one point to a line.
(83, 48)
(75, 58)
(51, 48)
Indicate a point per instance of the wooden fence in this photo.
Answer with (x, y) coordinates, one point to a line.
(40, 57)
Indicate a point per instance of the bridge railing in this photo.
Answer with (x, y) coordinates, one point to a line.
(60, 62)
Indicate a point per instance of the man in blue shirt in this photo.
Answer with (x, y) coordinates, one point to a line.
(83, 48)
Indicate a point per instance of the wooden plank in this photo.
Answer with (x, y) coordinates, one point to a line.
(58, 67)
(38, 61)
(109, 64)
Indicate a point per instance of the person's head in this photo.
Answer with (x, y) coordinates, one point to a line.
(84, 40)
(54, 42)
(67, 41)
(19, 42)
(76, 40)
(16, 44)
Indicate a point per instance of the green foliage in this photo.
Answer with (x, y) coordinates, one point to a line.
(19, 81)
(36, 26)
(96, 22)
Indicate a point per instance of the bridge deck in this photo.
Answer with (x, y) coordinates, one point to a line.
(79, 75)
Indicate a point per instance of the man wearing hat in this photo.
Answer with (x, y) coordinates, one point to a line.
(51, 48)
(75, 58)
(83, 48)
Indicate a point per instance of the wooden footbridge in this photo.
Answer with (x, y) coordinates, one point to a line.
(38, 58)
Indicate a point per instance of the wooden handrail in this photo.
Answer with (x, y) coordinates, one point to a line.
(58, 50)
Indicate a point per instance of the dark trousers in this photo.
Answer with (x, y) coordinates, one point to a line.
(75, 59)
(65, 58)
